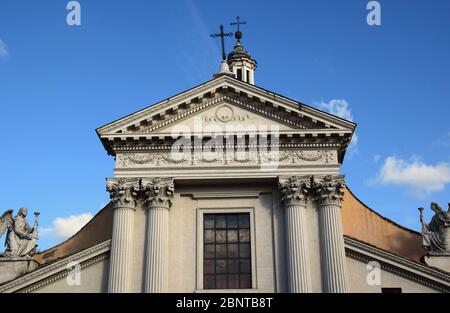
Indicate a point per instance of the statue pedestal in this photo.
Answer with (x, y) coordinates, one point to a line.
(11, 268)
(441, 261)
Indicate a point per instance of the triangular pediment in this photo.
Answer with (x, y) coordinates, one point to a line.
(228, 114)
(225, 100)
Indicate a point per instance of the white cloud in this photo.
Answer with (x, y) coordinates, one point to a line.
(65, 227)
(3, 49)
(337, 107)
(341, 108)
(376, 158)
(444, 141)
(419, 178)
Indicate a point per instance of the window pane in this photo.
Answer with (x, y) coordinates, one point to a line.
(245, 266)
(239, 74)
(233, 281)
(233, 251)
(232, 235)
(221, 236)
(209, 251)
(208, 220)
(221, 267)
(221, 221)
(244, 235)
(221, 281)
(245, 281)
(221, 251)
(209, 266)
(244, 221)
(244, 250)
(209, 236)
(232, 221)
(227, 254)
(233, 266)
(209, 282)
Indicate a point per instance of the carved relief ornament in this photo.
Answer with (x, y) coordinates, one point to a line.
(158, 193)
(330, 190)
(294, 190)
(123, 192)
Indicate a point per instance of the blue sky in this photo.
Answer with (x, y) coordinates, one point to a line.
(58, 83)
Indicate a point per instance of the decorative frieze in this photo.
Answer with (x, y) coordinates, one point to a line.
(225, 157)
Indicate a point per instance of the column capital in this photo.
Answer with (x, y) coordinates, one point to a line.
(329, 190)
(294, 190)
(122, 191)
(158, 192)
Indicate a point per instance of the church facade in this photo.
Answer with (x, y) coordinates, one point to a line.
(228, 187)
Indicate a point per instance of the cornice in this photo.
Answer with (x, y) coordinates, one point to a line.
(86, 258)
(398, 265)
(272, 112)
(62, 274)
(247, 96)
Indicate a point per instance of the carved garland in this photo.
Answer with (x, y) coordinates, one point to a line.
(224, 157)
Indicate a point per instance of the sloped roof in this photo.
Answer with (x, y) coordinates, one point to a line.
(97, 230)
(364, 224)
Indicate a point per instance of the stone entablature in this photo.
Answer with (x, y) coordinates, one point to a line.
(225, 158)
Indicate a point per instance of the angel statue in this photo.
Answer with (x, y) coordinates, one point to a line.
(436, 234)
(20, 237)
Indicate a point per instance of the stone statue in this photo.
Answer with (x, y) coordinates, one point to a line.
(20, 238)
(436, 234)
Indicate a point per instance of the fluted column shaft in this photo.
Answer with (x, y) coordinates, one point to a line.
(294, 192)
(121, 250)
(330, 193)
(157, 250)
(297, 250)
(158, 195)
(123, 195)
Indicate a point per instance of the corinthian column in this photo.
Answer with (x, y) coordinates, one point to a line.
(158, 199)
(294, 192)
(330, 194)
(123, 194)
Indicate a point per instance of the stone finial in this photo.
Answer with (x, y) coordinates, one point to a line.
(158, 192)
(294, 190)
(123, 192)
(329, 190)
(21, 238)
(224, 70)
(436, 234)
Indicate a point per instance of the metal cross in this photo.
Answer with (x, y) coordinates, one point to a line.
(222, 35)
(238, 23)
